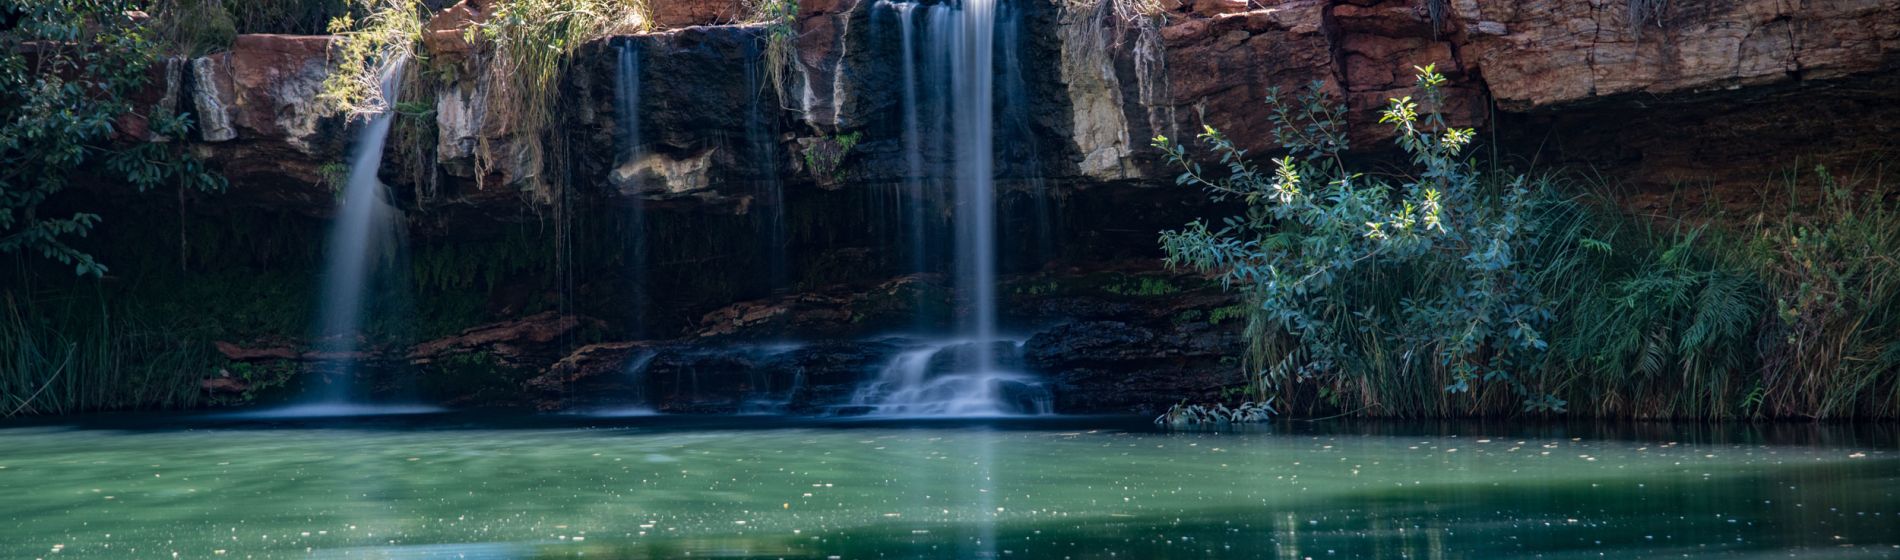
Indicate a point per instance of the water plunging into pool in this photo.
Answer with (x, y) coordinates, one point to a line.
(974, 384)
(368, 229)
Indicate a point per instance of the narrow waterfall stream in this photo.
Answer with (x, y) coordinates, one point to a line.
(762, 143)
(913, 208)
(627, 119)
(365, 228)
(368, 229)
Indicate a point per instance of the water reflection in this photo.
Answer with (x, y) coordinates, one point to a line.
(771, 488)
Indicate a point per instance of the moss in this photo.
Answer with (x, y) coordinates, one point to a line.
(1226, 313)
(1146, 286)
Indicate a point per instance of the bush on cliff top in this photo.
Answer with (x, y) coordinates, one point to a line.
(522, 48)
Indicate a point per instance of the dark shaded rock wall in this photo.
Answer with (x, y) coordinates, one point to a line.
(710, 225)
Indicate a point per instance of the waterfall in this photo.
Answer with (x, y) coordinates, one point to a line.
(762, 144)
(636, 389)
(366, 228)
(961, 377)
(971, 77)
(627, 119)
(913, 215)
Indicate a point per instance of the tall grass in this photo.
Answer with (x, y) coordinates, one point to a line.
(526, 46)
(1517, 297)
(1788, 314)
(780, 18)
(1834, 347)
(78, 354)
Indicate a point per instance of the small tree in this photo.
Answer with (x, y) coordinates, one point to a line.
(66, 71)
(1352, 274)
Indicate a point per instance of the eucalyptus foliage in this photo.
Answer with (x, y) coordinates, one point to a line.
(67, 71)
(1361, 273)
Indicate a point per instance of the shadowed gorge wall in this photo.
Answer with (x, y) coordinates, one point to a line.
(522, 269)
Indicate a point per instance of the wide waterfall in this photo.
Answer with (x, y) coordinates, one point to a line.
(961, 39)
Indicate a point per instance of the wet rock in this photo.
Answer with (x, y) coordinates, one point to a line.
(839, 312)
(1096, 343)
(1553, 52)
(224, 385)
(237, 353)
(674, 14)
(693, 376)
(212, 97)
(533, 340)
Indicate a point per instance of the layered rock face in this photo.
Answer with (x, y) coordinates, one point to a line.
(743, 237)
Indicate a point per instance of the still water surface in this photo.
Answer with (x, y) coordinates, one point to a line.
(760, 487)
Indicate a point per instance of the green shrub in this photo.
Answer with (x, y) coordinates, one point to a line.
(193, 27)
(825, 157)
(1831, 269)
(1365, 275)
(1388, 296)
(780, 18)
(58, 113)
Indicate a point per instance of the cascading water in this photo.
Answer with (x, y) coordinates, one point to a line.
(636, 389)
(364, 229)
(971, 74)
(951, 379)
(916, 383)
(627, 113)
(913, 215)
(367, 228)
(771, 190)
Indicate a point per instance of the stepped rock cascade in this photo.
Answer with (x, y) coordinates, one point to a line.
(951, 379)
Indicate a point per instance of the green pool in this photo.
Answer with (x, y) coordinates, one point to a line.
(466, 486)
